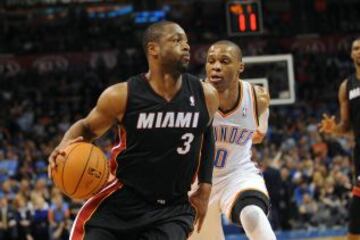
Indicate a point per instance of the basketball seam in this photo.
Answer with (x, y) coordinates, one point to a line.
(95, 189)
(62, 172)
(82, 174)
(101, 181)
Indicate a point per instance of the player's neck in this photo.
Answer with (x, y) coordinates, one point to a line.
(164, 84)
(229, 98)
(357, 72)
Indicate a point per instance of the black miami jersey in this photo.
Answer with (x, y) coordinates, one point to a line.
(163, 139)
(353, 94)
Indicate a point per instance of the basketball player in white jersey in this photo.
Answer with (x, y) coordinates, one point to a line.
(239, 190)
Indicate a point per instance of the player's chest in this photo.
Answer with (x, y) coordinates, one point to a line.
(354, 94)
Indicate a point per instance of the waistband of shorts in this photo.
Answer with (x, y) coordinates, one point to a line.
(160, 201)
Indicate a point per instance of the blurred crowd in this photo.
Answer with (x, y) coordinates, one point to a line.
(308, 174)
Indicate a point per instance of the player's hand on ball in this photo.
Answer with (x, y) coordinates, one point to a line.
(59, 150)
(327, 124)
(200, 200)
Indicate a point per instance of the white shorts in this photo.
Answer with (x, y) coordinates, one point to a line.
(225, 191)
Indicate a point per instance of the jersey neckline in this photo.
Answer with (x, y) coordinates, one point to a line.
(237, 104)
(177, 94)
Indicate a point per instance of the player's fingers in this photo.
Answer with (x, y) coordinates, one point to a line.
(78, 139)
(49, 171)
(332, 118)
(200, 222)
(61, 152)
(196, 217)
(52, 158)
(196, 212)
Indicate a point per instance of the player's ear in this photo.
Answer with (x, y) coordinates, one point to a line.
(153, 48)
(241, 67)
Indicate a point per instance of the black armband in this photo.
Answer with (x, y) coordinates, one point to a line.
(207, 156)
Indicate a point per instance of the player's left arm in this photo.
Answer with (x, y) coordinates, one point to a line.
(208, 146)
(262, 103)
(328, 124)
(200, 198)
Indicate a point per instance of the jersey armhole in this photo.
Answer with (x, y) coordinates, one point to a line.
(206, 106)
(121, 123)
(255, 107)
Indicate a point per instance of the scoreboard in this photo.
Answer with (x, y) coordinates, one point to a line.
(244, 17)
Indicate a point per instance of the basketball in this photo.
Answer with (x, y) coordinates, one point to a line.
(82, 172)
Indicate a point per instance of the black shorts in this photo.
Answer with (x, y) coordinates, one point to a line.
(356, 162)
(354, 213)
(118, 213)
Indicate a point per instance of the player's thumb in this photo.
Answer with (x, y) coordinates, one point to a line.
(78, 139)
(200, 223)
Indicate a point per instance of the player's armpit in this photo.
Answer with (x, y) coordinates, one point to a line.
(212, 99)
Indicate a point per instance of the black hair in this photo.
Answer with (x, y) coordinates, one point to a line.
(153, 33)
(231, 44)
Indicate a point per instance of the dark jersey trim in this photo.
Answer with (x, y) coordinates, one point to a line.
(237, 104)
(255, 105)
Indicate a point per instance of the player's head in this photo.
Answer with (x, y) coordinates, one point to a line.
(224, 64)
(166, 44)
(355, 51)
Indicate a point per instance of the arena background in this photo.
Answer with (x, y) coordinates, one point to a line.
(56, 56)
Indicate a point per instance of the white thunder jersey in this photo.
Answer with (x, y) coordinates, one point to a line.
(234, 172)
(233, 133)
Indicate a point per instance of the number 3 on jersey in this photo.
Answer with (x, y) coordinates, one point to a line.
(220, 157)
(188, 137)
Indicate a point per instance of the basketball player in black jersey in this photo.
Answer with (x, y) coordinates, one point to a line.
(349, 99)
(165, 120)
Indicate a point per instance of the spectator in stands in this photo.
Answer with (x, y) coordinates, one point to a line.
(307, 210)
(8, 229)
(40, 224)
(59, 218)
(286, 202)
(23, 218)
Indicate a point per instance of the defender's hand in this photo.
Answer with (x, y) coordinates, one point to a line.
(200, 200)
(59, 150)
(257, 137)
(327, 124)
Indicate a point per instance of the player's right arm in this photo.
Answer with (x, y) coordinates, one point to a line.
(329, 125)
(110, 108)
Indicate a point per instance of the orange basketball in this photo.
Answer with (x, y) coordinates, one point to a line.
(82, 172)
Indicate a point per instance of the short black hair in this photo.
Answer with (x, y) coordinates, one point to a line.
(357, 38)
(153, 33)
(231, 44)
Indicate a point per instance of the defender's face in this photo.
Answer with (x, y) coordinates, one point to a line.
(223, 66)
(355, 52)
(174, 48)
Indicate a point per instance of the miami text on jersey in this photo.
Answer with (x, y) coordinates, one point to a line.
(354, 93)
(168, 120)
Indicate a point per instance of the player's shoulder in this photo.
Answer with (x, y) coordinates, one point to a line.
(344, 84)
(114, 97)
(211, 97)
(191, 77)
(259, 90)
(117, 90)
(209, 90)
